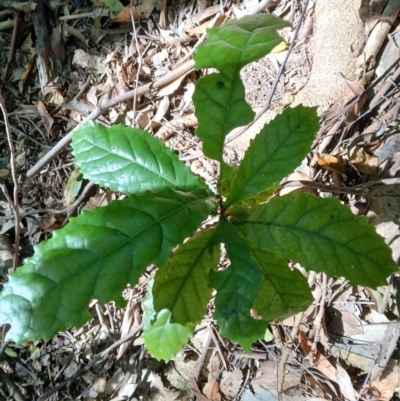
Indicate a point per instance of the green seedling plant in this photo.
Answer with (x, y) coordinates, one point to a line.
(161, 221)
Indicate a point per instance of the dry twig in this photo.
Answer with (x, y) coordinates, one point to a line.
(105, 105)
(26, 7)
(286, 352)
(96, 359)
(14, 175)
(320, 315)
(13, 389)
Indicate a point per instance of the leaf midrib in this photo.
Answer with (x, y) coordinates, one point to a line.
(313, 234)
(157, 174)
(129, 240)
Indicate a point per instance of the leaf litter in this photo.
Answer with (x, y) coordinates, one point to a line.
(344, 348)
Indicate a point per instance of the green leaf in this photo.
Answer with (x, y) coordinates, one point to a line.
(113, 5)
(284, 292)
(322, 235)
(239, 42)
(129, 160)
(163, 339)
(183, 287)
(261, 197)
(219, 98)
(237, 288)
(95, 256)
(275, 152)
(220, 107)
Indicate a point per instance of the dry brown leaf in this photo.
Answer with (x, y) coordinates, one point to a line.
(114, 381)
(371, 13)
(320, 361)
(29, 66)
(144, 118)
(389, 147)
(374, 344)
(89, 62)
(171, 87)
(50, 224)
(204, 14)
(211, 390)
(103, 198)
(196, 391)
(364, 162)
(142, 11)
(345, 384)
(352, 88)
(199, 30)
(331, 163)
(384, 387)
(231, 382)
(383, 213)
(268, 378)
(213, 366)
(47, 119)
(124, 16)
(296, 176)
(346, 323)
(161, 112)
(75, 33)
(130, 321)
(181, 123)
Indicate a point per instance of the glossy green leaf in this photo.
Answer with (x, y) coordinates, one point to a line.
(219, 98)
(261, 197)
(231, 46)
(220, 107)
(274, 153)
(129, 160)
(183, 287)
(95, 256)
(322, 235)
(284, 292)
(237, 288)
(163, 339)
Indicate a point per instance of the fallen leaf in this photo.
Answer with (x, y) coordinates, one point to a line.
(296, 176)
(171, 87)
(196, 391)
(47, 119)
(331, 163)
(130, 322)
(345, 384)
(199, 30)
(231, 382)
(161, 112)
(88, 62)
(364, 162)
(384, 387)
(211, 390)
(142, 11)
(268, 378)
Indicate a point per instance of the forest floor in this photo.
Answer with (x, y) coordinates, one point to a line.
(63, 59)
